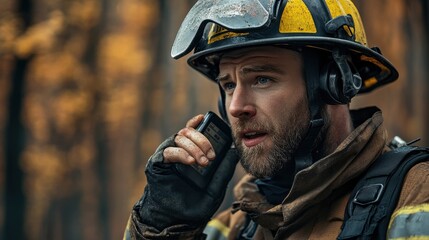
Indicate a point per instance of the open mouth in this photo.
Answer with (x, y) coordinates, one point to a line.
(253, 138)
(252, 135)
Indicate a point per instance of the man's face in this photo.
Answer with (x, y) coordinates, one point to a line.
(266, 104)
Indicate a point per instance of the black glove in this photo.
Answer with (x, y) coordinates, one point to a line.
(170, 200)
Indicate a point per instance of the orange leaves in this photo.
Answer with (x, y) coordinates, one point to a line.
(122, 54)
(40, 37)
(84, 14)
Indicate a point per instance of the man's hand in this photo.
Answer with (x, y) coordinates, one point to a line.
(191, 146)
(168, 199)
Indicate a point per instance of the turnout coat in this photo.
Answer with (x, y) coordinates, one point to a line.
(315, 205)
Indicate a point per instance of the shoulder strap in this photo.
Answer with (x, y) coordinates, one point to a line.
(375, 196)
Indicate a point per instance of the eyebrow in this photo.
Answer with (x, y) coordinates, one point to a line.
(253, 69)
(261, 68)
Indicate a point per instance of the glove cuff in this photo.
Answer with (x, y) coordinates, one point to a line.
(139, 230)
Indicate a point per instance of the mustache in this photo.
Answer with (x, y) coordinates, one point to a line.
(243, 125)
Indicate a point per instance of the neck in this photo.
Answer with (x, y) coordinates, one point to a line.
(338, 124)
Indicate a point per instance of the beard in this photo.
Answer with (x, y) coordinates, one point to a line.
(261, 161)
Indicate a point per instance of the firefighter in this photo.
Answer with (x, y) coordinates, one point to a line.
(287, 71)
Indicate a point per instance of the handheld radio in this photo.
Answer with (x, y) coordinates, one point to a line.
(219, 134)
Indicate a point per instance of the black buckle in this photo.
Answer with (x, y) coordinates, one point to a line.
(343, 26)
(368, 194)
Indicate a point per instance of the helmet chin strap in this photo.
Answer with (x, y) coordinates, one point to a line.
(303, 156)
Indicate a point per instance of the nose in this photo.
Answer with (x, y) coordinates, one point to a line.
(241, 103)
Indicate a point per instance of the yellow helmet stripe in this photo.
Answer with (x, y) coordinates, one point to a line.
(299, 18)
(343, 7)
(218, 33)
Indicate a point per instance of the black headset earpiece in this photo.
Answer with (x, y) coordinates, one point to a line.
(221, 105)
(330, 83)
(339, 80)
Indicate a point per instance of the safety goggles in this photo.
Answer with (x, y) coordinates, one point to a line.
(234, 15)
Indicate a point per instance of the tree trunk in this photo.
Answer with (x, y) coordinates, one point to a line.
(15, 141)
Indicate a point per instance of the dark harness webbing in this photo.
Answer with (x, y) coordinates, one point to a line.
(375, 197)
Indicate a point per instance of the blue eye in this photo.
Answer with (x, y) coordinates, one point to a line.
(263, 80)
(228, 86)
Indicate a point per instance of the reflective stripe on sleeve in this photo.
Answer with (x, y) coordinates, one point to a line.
(216, 230)
(411, 222)
(127, 230)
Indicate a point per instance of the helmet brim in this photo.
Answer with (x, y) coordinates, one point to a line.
(368, 58)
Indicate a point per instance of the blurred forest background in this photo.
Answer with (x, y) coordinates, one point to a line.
(88, 90)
